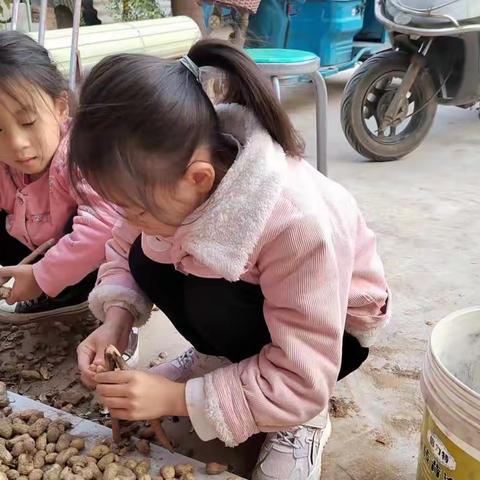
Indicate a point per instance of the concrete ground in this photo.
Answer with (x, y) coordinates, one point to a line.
(424, 209)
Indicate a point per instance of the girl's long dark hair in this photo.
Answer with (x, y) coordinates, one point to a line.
(25, 63)
(140, 119)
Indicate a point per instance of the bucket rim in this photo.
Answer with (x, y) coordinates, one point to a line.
(439, 363)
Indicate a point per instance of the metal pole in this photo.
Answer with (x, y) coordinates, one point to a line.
(43, 22)
(321, 99)
(77, 14)
(15, 8)
(276, 88)
(29, 14)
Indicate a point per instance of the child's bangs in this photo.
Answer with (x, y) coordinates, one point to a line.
(20, 90)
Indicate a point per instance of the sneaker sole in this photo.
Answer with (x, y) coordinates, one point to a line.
(317, 473)
(19, 318)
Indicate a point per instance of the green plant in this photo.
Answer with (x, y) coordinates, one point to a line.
(133, 10)
(4, 9)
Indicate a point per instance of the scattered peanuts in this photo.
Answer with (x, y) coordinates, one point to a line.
(33, 447)
(143, 446)
(39, 459)
(53, 433)
(114, 471)
(167, 472)
(78, 443)
(40, 426)
(36, 474)
(183, 469)
(50, 448)
(99, 451)
(63, 442)
(142, 468)
(187, 476)
(51, 457)
(131, 464)
(64, 455)
(6, 429)
(41, 442)
(106, 460)
(214, 468)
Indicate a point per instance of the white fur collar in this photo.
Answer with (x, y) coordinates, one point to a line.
(230, 224)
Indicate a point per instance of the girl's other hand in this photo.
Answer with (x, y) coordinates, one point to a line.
(134, 395)
(114, 331)
(25, 286)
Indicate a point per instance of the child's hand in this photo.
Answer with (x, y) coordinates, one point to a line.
(134, 395)
(114, 331)
(25, 286)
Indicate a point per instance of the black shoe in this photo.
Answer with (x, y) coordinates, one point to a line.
(72, 301)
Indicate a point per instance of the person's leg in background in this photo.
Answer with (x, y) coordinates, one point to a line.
(90, 14)
(192, 9)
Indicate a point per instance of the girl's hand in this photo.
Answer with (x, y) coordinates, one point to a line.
(114, 331)
(25, 286)
(134, 395)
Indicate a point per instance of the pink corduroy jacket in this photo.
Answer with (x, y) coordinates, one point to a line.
(277, 222)
(40, 210)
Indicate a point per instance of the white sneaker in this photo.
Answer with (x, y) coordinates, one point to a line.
(293, 455)
(132, 352)
(189, 365)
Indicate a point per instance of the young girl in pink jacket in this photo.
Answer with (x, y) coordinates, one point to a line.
(253, 255)
(37, 201)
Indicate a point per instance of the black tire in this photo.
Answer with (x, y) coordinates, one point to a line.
(355, 96)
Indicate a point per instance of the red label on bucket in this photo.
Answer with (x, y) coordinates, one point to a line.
(443, 459)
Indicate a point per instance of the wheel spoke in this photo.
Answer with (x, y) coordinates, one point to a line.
(370, 107)
(393, 131)
(380, 132)
(382, 86)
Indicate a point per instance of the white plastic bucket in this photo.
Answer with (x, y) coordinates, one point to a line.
(450, 445)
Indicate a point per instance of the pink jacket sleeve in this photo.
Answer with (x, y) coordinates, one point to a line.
(83, 250)
(291, 380)
(369, 305)
(116, 286)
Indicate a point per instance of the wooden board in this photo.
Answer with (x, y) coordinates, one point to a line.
(95, 433)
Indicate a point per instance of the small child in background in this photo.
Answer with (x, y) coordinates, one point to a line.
(37, 201)
(252, 254)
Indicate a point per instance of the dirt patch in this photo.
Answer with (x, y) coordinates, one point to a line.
(382, 438)
(405, 425)
(413, 374)
(342, 407)
(391, 376)
(39, 360)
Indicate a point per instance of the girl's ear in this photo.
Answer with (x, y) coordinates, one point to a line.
(62, 107)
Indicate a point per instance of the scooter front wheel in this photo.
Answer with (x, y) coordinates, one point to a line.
(367, 97)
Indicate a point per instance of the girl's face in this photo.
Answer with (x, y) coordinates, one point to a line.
(30, 129)
(174, 205)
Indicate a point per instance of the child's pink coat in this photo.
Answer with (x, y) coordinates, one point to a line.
(276, 222)
(40, 210)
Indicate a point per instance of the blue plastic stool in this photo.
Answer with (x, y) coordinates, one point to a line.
(277, 63)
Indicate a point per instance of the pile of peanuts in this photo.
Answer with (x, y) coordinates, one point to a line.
(33, 447)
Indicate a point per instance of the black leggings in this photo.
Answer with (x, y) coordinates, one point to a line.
(216, 316)
(12, 251)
